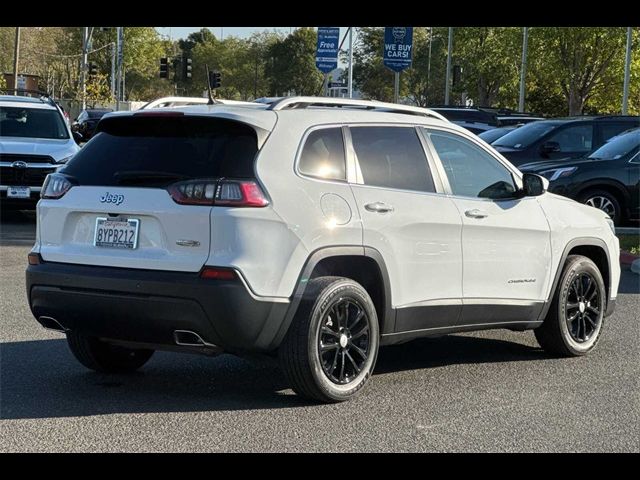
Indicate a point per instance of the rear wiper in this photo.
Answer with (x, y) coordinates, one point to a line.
(132, 177)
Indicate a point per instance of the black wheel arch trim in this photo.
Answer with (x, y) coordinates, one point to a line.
(387, 324)
(578, 242)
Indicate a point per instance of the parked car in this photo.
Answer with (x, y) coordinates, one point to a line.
(86, 122)
(563, 138)
(507, 117)
(493, 134)
(608, 179)
(35, 140)
(314, 229)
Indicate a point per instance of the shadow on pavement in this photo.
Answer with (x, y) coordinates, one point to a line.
(17, 227)
(41, 379)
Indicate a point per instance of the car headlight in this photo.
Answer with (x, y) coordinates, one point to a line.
(66, 159)
(556, 173)
(611, 224)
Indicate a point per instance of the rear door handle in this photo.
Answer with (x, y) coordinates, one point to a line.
(475, 213)
(378, 207)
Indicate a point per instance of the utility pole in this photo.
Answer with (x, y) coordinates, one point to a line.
(396, 87)
(523, 69)
(16, 56)
(119, 48)
(627, 72)
(448, 76)
(350, 79)
(429, 63)
(83, 67)
(113, 70)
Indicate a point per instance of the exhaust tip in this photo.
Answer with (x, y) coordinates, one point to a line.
(51, 323)
(187, 338)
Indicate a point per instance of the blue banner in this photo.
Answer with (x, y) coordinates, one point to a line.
(327, 50)
(398, 47)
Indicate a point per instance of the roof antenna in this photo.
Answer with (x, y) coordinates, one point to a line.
(212, 100)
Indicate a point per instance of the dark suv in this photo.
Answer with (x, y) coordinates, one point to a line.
(608, 179)
(87, 121)
(562, 138)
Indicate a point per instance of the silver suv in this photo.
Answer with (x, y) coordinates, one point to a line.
(35, 140)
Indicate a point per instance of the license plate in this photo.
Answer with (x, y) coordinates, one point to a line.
(117, 233)
(18, 192)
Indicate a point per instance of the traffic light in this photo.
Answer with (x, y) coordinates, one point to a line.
(164, 67)
(214, 79)
(186, 68)
(457, 74)
(93, 69)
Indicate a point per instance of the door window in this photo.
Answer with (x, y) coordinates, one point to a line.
(392, 157)
(471, 170)
(577, 138)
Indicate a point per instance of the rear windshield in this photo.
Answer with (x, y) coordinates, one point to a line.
(157, 151)
(526, 135)
(32, 123)
(97, 113)
(618, 147)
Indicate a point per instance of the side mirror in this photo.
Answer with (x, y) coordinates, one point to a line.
(533, 185)
(549, 147)
(77, 136)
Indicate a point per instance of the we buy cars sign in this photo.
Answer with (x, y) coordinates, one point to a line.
(398, 46)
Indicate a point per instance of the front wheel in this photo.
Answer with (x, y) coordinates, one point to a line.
(576, 315)
(331, 347)
(605, 201)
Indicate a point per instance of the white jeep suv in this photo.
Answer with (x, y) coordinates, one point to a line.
(312, 228)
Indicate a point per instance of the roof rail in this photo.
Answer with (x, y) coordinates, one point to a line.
(288, 103)
(41, 95)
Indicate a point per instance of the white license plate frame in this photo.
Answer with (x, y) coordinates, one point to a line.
(18, 192)
(132, 222)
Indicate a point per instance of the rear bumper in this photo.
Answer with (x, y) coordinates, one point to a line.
(147, 306)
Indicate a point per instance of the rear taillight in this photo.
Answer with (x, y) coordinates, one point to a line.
(223, 193)
(34, 258)
(240, 193)
(193, 192)
(55, 186)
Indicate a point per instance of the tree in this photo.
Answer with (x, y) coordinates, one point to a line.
(578, 59)
(371, 77)
(291, 64)
(490, 61)
(98, 91)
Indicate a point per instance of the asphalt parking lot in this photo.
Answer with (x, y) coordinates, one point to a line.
(489, 391)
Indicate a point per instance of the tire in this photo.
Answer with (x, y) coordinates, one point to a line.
(559, 335)
(104, 357)
(605, 201)
(330, 377)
